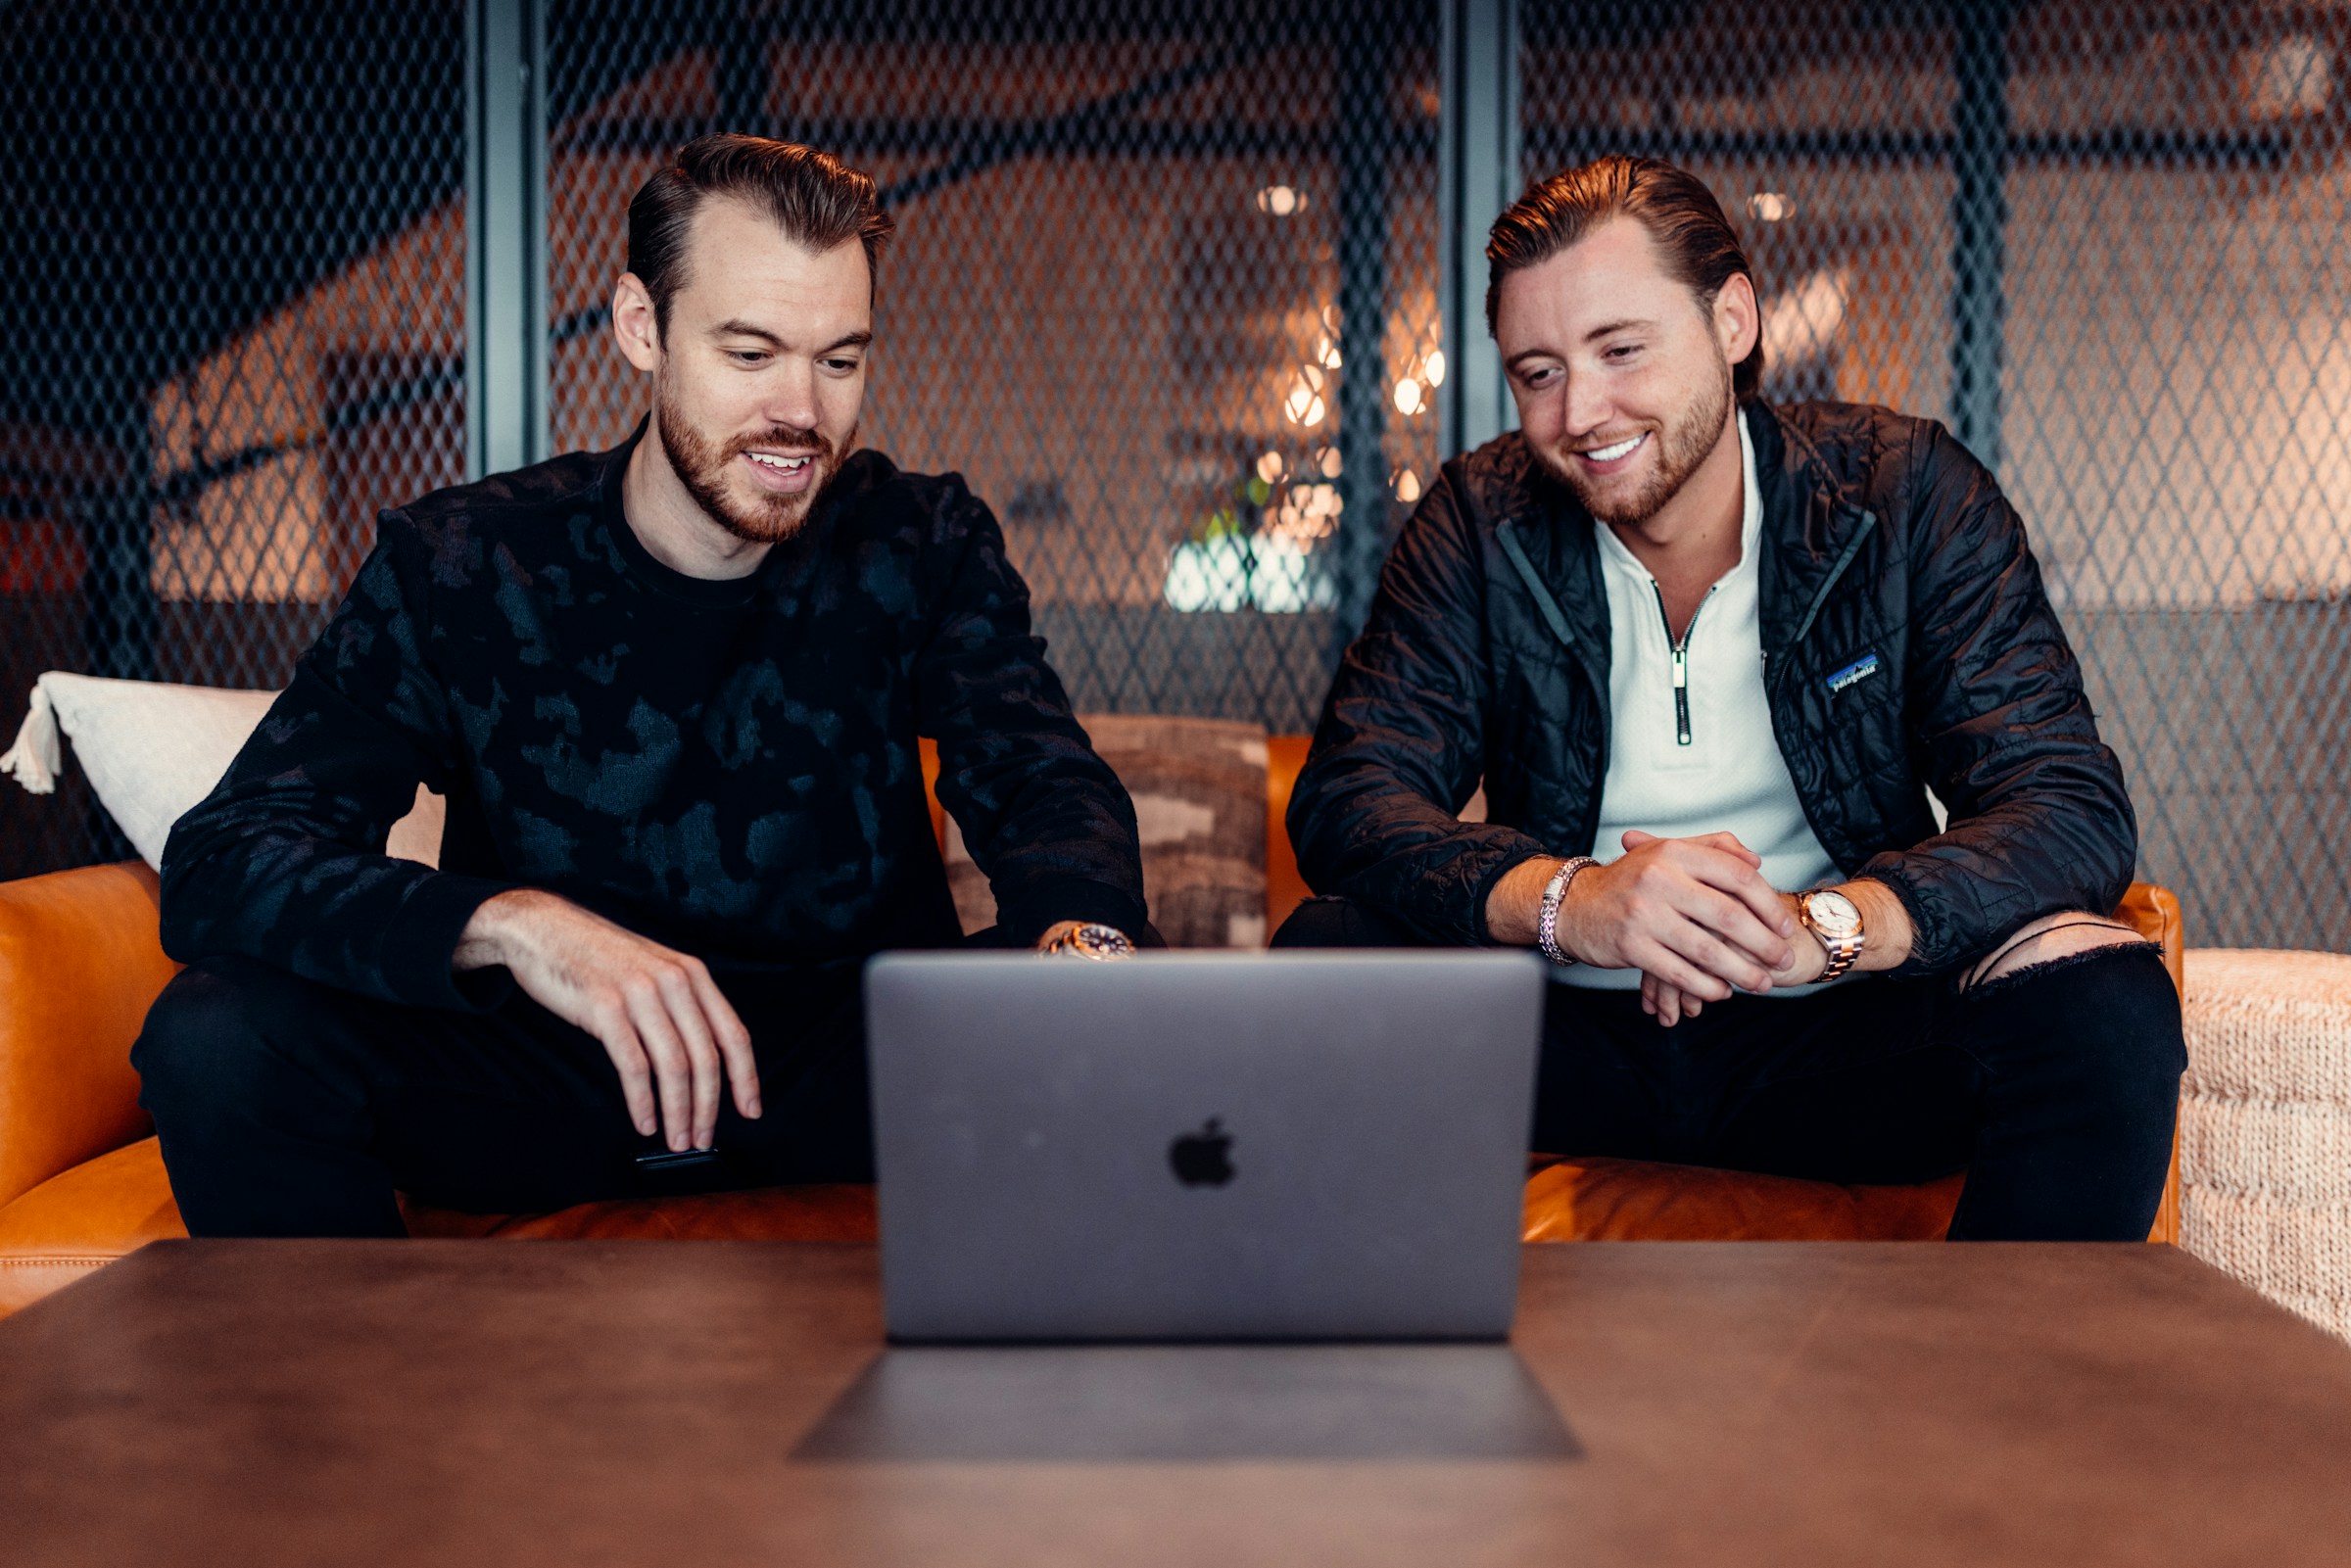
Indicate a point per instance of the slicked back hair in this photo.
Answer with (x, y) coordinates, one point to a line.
(816, 199)
(1702, 250)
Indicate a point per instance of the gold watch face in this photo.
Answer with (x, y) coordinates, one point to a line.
(1099, 941)
(1832, 915)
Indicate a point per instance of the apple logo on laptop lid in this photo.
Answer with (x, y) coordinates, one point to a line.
(1203, 1158)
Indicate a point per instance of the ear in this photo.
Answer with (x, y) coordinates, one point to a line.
(1738, 323)
(635, 325)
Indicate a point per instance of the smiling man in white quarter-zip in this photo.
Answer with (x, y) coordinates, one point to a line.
(1708, 656)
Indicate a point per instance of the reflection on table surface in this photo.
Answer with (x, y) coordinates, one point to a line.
(1202, 1403)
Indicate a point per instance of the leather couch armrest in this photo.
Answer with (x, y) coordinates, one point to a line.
(2153, 911)
(1285, 888)
(80, 962)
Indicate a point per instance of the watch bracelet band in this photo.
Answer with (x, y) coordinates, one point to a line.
(1555, 893)
(1843, 955)
(1844, 952)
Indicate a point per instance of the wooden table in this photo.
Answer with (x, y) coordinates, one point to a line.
(702, 1404)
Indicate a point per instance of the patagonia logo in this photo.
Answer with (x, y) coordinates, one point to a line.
(1862, 669)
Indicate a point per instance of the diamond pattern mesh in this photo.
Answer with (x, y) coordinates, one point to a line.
(1165, 290)
(233, 274)
(1168, 293)
(2104, 241)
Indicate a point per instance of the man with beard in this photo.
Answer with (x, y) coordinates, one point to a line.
(1708, 656)
(672, 693)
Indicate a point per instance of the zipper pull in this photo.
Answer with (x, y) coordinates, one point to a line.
(1680, 692)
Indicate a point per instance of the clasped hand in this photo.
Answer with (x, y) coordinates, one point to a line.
(1694, 916)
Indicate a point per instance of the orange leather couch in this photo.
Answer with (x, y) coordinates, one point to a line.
(81, 1182)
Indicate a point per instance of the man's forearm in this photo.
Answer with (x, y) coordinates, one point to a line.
(1515, 904)
(1885, 923)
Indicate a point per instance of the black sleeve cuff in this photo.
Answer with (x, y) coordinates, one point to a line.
(424, 938)
(1027, 917)
(1889, 871)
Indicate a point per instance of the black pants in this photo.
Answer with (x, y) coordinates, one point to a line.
(2054, 1087)
(288, 1107)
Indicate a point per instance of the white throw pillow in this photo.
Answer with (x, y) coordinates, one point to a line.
(152, 750)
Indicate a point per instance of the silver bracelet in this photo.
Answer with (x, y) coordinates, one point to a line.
(1546, 925)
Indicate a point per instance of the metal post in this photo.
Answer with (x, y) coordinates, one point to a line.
(1364, 130)
(121, 617)
(1979, 221)
(1479, 175)
(506, 236)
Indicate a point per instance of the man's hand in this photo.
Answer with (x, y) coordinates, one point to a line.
(1695, 913)
(659, 1015)
(1669, 1004)
(1883, 919)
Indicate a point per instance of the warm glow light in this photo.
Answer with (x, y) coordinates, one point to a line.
(1803, 323)
(2289, 76)
(1327, 459)
(1770, 206)
(1326, 352)
(1432, 368)
(1301, 407)
(1407, 486)
(1307, 514)
(1407, 395)
(1281, 199)
(1268, 467)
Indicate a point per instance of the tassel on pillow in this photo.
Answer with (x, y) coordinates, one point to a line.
(34, 760)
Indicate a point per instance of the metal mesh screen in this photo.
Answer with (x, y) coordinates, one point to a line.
(1169, 292)
(1165, 290)
(233, 276)
(2105, 242)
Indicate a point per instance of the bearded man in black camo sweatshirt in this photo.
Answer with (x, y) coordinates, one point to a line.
(673, 694)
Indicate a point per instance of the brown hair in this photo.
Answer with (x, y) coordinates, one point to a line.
(1701, 248)
(813, 197)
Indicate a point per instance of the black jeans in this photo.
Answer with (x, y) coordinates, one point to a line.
(287, 1108)
(2054, 1087)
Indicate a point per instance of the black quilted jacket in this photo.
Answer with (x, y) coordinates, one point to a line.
(1486, 654)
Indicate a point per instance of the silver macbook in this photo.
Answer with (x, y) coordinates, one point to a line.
(1190, 1146)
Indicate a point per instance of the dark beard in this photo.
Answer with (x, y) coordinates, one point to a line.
(1681, 448)
(702, 467)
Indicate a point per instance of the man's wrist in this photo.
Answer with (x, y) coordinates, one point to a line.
(488, 939)
(1555, 898)
(1886, 933)
(1885, 921)
(1812, 953)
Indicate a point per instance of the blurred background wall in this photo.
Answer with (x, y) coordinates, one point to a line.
(1190, 292)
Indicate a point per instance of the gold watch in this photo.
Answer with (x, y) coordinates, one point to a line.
(1837, 920)
(1091, 940)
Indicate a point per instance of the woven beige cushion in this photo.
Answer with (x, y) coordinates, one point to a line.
(2265, 1125)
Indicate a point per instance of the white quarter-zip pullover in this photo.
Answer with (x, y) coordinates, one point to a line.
(1689, 744)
